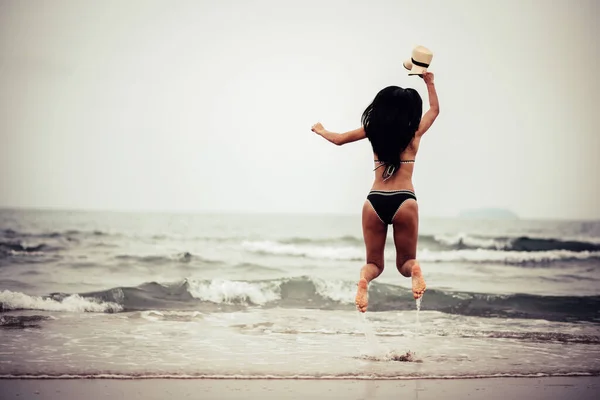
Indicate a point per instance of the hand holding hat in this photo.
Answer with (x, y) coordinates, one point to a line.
(419, 62)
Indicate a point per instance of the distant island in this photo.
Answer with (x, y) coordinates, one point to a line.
(488, 213)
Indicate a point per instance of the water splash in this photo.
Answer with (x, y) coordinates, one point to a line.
(409, 356)
(374, 347)
(418, 322)
(376, 351)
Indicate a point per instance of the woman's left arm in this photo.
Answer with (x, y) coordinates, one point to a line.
(339, 138)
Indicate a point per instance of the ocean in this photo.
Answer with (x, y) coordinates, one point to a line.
(134, 295)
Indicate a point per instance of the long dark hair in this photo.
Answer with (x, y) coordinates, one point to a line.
(391, 121)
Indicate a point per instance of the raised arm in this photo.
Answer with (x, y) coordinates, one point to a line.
(434, 107)
(339, 138)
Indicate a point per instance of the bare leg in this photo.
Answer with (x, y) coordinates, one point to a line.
(412, 269)
(406, 232)
(375, 233)
(367, 274)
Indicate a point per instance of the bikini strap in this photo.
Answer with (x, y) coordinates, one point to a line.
(401, 161)
(390, 169)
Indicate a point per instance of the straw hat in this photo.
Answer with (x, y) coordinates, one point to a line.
(419, 62)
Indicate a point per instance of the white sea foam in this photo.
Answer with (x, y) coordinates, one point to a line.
(471, 241)
(155, 315)
(507, 257)
(340, 291)
(74, 303)
(505, 242)
(349, 253)
(234, 292)
(310, 251)
(260, 293)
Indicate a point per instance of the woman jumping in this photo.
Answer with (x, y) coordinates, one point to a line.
(394, 126)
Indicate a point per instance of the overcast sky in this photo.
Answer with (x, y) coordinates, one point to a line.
(207, 105)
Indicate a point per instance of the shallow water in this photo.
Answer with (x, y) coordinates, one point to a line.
(292, 343)
(110, 294)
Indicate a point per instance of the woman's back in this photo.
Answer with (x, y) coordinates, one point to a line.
(390, 123)
(402, 176)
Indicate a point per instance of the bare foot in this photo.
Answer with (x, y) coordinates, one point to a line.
(418, 283)
(362, 295)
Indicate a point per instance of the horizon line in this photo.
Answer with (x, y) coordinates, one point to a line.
(290, 213)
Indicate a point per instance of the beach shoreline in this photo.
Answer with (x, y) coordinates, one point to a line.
(422, 389)
(99, 306)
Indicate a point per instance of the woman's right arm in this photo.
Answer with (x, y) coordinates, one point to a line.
(339, 138)
(434, 107)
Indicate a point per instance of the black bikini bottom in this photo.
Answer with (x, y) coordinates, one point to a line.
(387, 203)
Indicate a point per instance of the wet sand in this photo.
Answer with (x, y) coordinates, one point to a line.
(579, 388)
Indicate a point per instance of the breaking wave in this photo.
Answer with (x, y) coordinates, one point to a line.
(29, 246)
(521, 244)
(474, 255)
(74, 303)
(304, 293)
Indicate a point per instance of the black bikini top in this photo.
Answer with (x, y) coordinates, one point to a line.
(390, 169)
